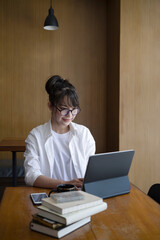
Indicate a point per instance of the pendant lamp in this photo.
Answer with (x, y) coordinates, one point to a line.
(51, 21)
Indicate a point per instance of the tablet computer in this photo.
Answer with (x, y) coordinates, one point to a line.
(107, 173)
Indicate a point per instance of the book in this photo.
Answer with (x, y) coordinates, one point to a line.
(88, 200)
(71, 217)
(45, 221)
(56, 230)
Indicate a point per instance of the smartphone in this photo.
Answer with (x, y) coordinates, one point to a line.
(37, 197)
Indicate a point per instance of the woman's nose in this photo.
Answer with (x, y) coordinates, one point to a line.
(69, 113)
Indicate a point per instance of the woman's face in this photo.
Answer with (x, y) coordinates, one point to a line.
(58, 118)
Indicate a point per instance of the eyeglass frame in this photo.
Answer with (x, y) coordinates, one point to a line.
(60, 110)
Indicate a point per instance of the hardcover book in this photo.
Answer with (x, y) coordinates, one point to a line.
(88, 200)
(57, 230)
(71, 217)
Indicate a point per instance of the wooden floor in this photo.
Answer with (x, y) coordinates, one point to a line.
(7, 182)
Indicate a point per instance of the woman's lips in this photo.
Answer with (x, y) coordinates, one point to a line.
(67, 119)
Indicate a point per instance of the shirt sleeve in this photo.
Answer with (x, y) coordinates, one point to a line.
(32, 162)
(90, 148)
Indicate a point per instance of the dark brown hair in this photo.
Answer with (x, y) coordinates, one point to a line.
(58, 88)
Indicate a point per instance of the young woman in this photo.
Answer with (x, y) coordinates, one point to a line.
(58, 151)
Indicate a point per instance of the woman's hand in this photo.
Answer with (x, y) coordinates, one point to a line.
(46, 182)
(78, 182)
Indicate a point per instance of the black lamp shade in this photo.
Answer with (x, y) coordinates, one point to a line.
(51, 21)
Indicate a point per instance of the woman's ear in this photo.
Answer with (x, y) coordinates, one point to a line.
(50, 106)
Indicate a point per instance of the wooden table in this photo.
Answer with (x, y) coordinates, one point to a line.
(14, 146)
(132, 216)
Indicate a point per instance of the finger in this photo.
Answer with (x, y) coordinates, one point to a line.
(81, 179)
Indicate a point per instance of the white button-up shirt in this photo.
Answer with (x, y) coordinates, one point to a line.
(39, 154)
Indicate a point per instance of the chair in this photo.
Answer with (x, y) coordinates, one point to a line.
(154, 192)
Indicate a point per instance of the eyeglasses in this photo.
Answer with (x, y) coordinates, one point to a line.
(65, 112)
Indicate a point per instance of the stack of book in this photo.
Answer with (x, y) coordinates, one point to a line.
(62, 213)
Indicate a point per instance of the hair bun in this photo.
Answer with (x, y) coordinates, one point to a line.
(52, 81)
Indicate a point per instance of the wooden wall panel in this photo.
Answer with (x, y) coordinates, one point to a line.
(29, 55)
(139, 88)
(112, 108)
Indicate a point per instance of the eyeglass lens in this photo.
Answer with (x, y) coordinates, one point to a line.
(65, 112)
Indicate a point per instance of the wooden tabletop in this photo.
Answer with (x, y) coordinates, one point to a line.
(17, 145)
(132, 216)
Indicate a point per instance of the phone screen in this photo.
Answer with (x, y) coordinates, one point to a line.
(37, 197)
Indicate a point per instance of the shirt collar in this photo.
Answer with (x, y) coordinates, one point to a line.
(48, 132)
